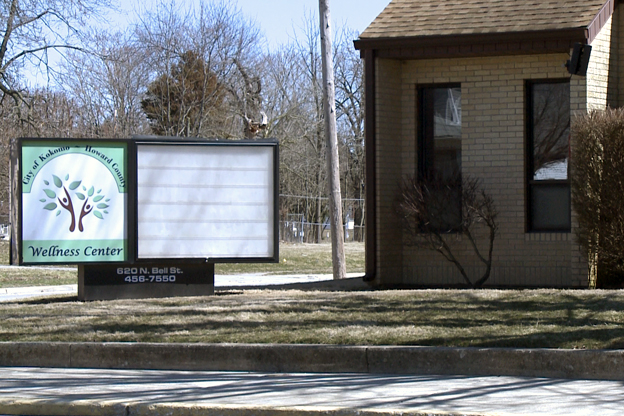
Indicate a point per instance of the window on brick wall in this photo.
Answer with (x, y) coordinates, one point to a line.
(548, 151)
(439, 149)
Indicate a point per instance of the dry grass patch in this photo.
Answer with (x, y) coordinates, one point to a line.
(484, 318)
(294, 259)
(4, 252)
(301, 259)
(22, 277)
(36, 276)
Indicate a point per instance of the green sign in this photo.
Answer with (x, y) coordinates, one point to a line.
(74, 201)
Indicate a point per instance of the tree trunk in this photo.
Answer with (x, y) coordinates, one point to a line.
(319, 211)
(335, 199)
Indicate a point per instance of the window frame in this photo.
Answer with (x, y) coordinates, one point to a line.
(425, 141)
(530, 182)
(425, 133)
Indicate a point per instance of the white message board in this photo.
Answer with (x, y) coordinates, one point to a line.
(206, 201)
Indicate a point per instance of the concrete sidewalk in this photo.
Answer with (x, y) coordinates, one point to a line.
(274, 379)
(17, 293)
(51, 391)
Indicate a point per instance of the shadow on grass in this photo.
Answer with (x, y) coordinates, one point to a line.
(43, 300)
(529, 319)
(228, 292)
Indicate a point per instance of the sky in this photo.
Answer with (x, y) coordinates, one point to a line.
(279, 19)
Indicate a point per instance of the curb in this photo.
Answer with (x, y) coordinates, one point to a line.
(304, 358)
(61, 408)
(88, 408)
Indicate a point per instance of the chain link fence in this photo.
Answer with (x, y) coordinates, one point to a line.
(5, 231)
(295, 227)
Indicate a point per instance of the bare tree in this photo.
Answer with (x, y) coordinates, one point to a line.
(230, 44)
(292, 92)
(349, 71)
(50, 114)
(53, 114)
(108, 85)
(435, 209)
(284, 103)
(226, 44)
(290, 105)
(10, 125)
(34, 28)
(294, 105)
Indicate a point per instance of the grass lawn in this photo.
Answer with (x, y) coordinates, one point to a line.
(483, 318)
(301, 258)
(294, 259)
(20, 277)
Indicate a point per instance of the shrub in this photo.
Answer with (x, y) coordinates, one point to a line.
(597, 187)
(435, 208)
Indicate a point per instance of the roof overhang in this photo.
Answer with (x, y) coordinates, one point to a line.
(487, 44)
(472, 45)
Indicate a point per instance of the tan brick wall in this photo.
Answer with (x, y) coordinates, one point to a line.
(617, 55)
(493, 149)
(388, 133)
(578, 105)
(599, 77)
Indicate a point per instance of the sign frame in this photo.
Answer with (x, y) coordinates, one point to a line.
(272, 144)
(69, 196)
(131, 226)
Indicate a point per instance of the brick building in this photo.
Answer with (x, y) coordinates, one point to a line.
(482, 72)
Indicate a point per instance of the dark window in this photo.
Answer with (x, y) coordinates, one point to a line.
(439, 150)
(548, 105)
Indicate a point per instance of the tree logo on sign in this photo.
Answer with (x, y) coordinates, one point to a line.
(68, 195)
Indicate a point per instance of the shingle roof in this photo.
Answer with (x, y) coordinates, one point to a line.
(418, 18)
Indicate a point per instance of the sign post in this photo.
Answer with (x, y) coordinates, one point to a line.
(145, 280)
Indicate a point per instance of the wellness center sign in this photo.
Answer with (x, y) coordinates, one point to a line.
(74, 201)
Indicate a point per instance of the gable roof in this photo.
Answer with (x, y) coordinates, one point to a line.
(462, 22)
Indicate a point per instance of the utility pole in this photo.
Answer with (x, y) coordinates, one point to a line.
(333, 165)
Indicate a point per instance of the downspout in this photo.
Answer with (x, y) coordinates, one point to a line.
(371, 165)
